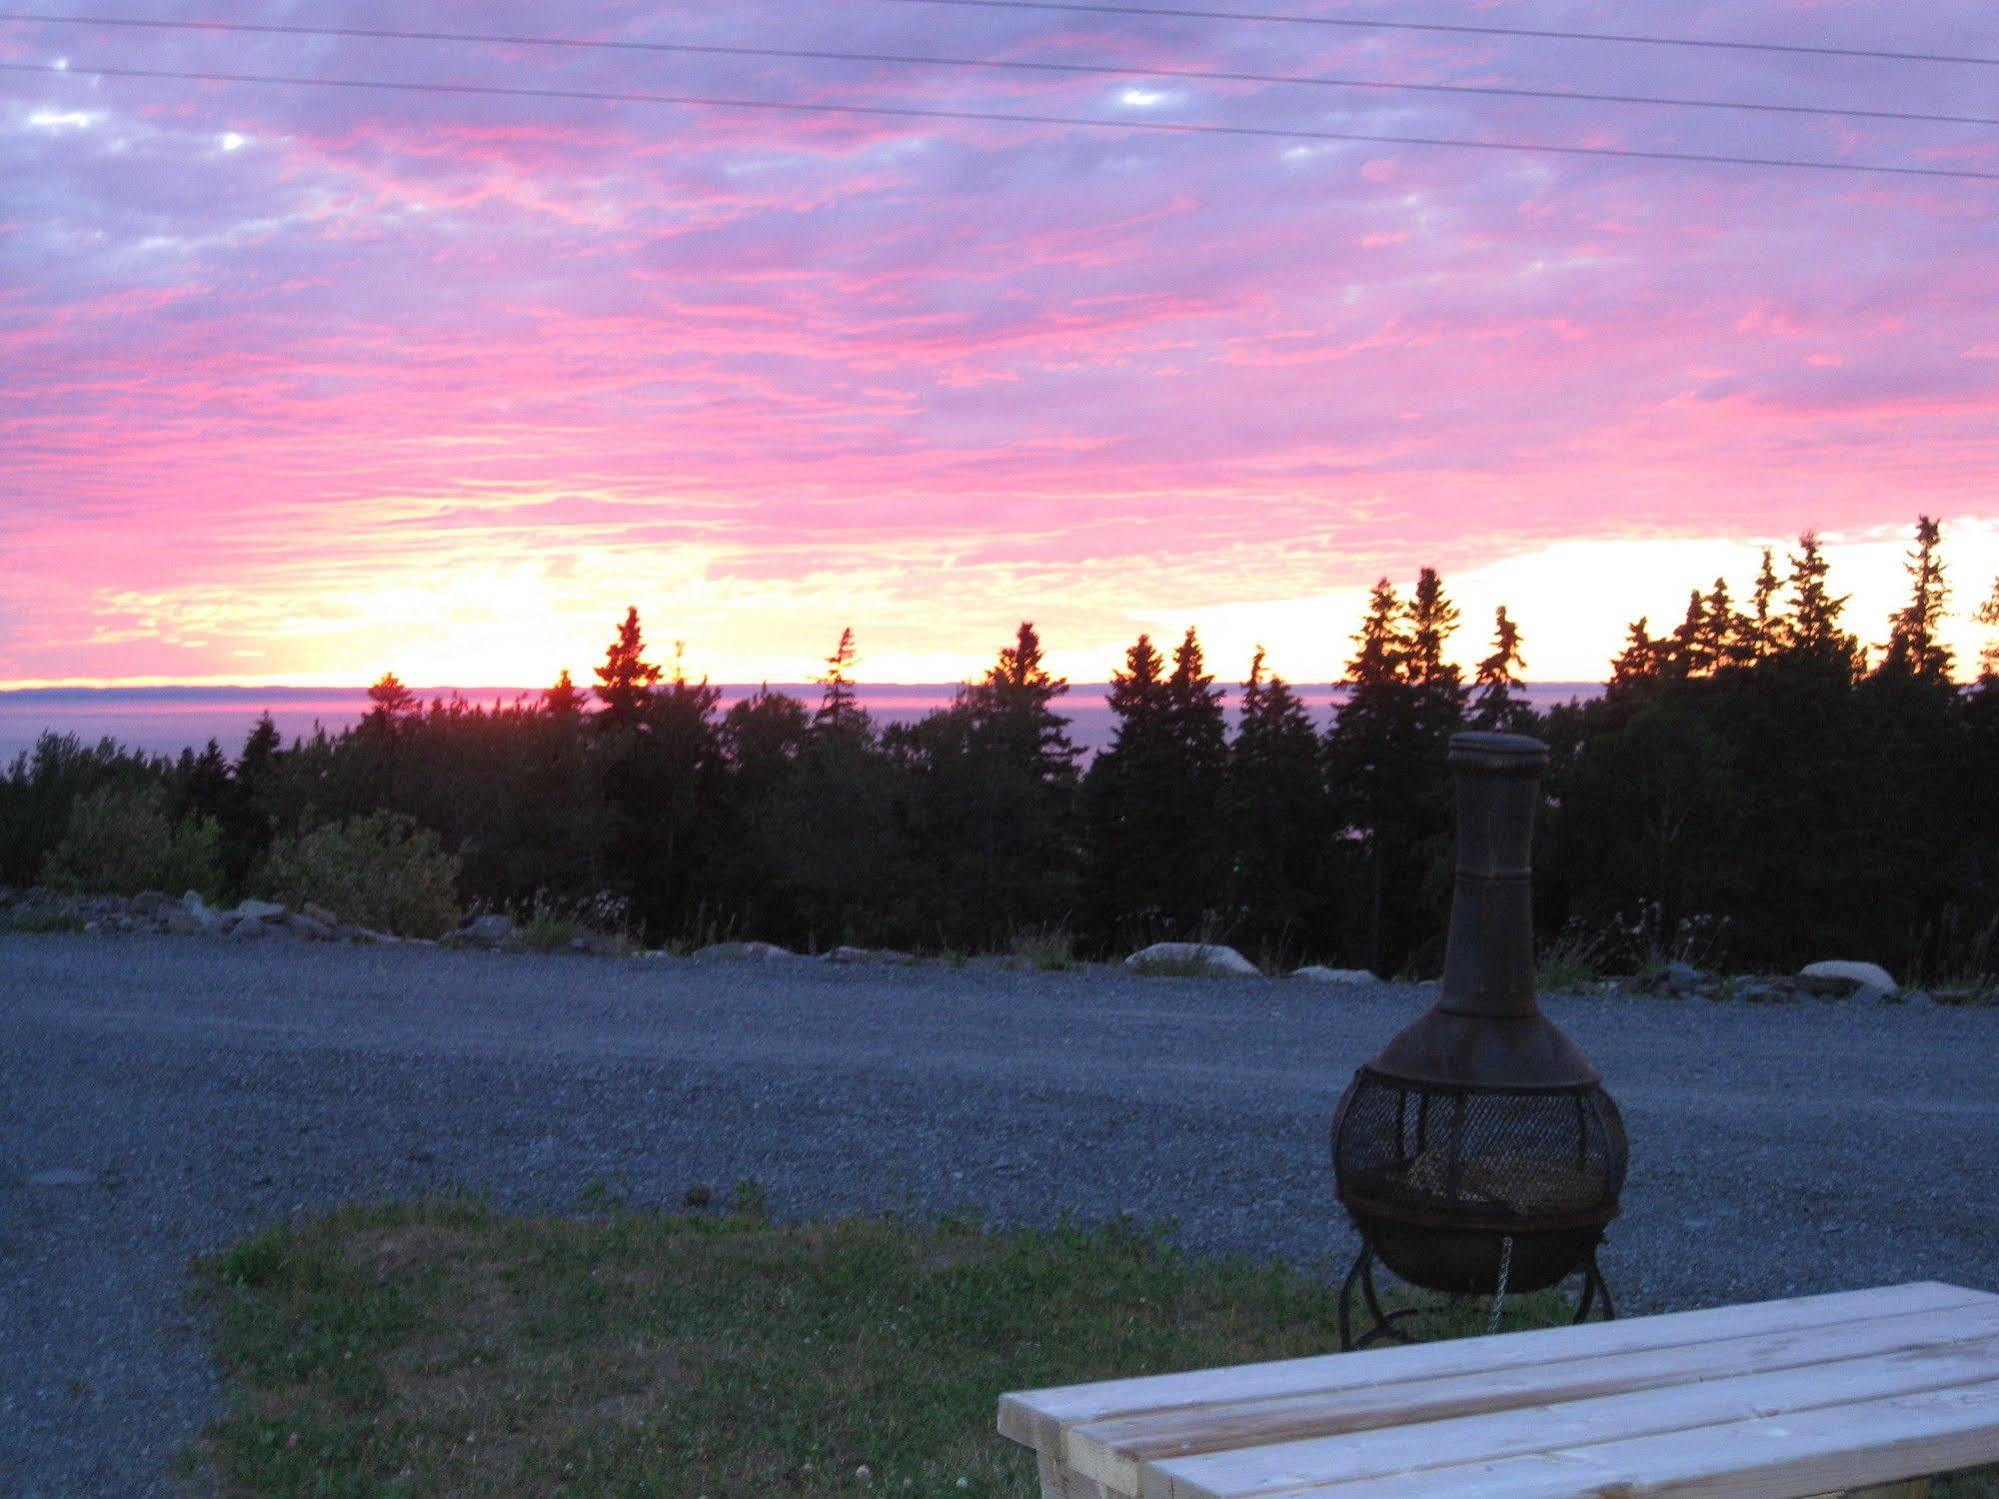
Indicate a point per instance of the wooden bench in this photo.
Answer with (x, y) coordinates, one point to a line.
(1773, 1400)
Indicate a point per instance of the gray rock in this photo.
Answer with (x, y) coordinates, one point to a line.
(301, 925)
(1207, 958)
(320, 914)
(201, 911)
(250, 927)
(62, 1176)
(748, 952)
(184, 923)
(1319, 973)
(489, 931)
(259, 910)
(1858, 975)
(867, 955)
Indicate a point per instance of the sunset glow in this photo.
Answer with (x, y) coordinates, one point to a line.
(302, 385)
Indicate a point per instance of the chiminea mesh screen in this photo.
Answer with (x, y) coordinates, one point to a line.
(1480, 1157)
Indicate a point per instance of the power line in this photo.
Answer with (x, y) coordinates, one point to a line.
(384, 33)
(909, 112)
(1464, 29)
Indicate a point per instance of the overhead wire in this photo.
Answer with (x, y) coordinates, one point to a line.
(1028, 65)
(1464, 28)
(913, 112)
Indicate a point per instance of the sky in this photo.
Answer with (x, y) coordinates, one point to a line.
(302, 385)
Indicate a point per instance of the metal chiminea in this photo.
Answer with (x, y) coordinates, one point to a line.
(1479, 1152)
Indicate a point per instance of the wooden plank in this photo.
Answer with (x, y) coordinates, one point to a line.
(1681, 1411)
(1773, 1457)
(1037, 1418)
(1112, 1452)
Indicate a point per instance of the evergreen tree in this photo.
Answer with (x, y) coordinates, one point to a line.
(1687, 653)
(1276, 813)
(1914, 648)
(626, 680)
(1812, 631)
(1765, 625)
(1988, 615)
(1131, 888)
(1374, 761)
(1432, 620)
(564, 700)
(1015, 703)
(1728, 637)
(1638, 664)
(1498, 679)
(389, 702)
(840, 710)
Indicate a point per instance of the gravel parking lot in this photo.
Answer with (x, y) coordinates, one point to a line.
(159, 1097)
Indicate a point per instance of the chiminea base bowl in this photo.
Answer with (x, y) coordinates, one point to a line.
(1466, 1262)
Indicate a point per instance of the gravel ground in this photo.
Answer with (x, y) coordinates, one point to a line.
(206, 1088)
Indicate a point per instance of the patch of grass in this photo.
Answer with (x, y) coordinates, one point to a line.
(1050, 949)
(1576, 957)
(443, 1349)
(41, 923)
(440, 1348)
(543, 933)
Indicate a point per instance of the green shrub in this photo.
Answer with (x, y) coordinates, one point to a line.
(381, 871)
(1049, 948)
(121, 841)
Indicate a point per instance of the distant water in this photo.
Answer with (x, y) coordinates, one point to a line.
(167, 719)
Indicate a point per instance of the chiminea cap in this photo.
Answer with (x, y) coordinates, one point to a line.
(1498, 754)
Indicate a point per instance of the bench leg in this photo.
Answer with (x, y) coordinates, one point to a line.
(1058, 1483)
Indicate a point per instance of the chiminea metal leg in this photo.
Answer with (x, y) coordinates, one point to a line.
(1346, 1296)
(1362, 1275)
(1594, 1286)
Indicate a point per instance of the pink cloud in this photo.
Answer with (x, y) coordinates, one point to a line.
(810, 364)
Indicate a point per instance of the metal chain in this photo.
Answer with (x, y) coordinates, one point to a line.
(1499, 1296)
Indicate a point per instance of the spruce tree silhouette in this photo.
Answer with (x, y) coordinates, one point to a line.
(565, 699)
(1373, 756)
(1763, 624)
(1812, 629)
(389, 703)
(1687, 649)
(840, 710)
(1913, 648)
(1988, 615)
(1638, 663)
(1498, 679)
(1276, 815)
(626, 680)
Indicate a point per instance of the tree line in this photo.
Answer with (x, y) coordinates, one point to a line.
(1755, 776)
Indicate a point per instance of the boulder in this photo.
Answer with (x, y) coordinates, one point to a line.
(491, 931)
(1319, 973)
(301, 925)
(201, 911)
(867, 955)
(1858, 975)
(153, 903)
(1209, 959)
(246, 927)
(258, 910)
(319, 914)
(184, 923)
(746, 952)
